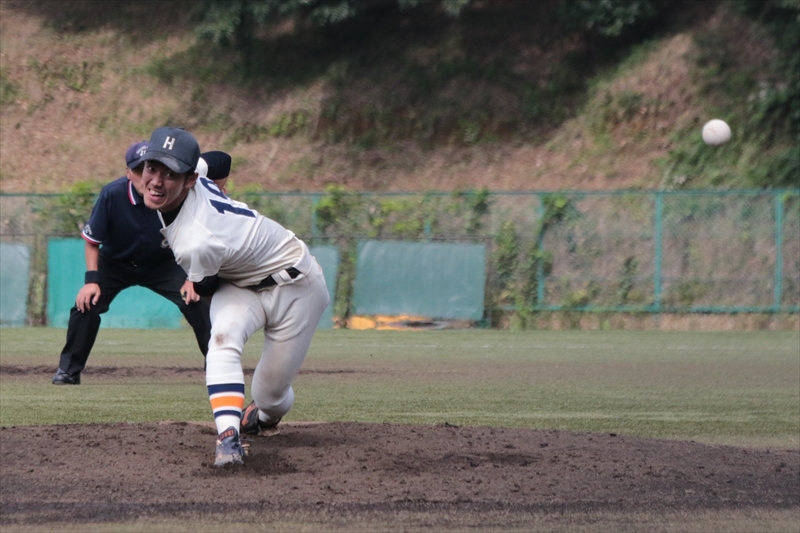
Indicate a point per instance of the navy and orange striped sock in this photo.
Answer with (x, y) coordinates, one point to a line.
(227, 403)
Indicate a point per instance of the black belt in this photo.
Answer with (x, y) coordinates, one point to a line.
(269, 281)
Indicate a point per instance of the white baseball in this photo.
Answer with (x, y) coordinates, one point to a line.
(716, 132)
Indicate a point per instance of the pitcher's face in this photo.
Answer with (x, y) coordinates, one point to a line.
(165, 189)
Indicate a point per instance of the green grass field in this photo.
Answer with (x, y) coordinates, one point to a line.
(737, 388)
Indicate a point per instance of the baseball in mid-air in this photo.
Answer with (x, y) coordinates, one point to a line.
(716, 132)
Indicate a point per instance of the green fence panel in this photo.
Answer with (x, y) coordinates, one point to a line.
(138, 307)
(14, 265)
(435, 280)
(135, 307)
(328, 259)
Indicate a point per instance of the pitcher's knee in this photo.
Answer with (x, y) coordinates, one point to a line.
(227, 337)
(274, 403)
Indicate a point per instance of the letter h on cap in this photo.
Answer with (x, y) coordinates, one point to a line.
(169, 142)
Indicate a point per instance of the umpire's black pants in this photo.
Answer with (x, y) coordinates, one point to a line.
(165, 279)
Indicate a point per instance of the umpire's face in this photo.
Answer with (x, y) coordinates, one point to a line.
(135, 175)
(165, 189)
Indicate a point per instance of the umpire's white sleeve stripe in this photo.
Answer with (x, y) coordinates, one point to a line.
(93, 241)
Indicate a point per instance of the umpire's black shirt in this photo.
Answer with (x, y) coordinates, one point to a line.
(126, 230)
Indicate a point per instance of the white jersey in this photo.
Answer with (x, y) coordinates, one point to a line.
(213, 234)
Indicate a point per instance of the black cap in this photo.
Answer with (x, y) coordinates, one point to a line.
(219, 164)
(175, 147)
(133, 157)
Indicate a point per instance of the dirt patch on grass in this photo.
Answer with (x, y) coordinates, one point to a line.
(344, 471)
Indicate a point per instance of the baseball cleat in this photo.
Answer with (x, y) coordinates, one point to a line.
(251, 425)
(229, 449)
(62, 378)
(246, 446)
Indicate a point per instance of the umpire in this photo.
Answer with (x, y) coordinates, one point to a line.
(124, 247)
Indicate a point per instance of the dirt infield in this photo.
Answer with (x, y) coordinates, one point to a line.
(55, 475)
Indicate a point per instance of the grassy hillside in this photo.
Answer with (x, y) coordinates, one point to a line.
(501, 97)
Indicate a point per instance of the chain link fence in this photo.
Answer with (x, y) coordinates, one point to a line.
(618, 251)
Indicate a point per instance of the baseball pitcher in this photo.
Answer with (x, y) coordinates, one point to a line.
(261, 277)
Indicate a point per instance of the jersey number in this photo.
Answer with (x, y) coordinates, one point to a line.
(224, 207)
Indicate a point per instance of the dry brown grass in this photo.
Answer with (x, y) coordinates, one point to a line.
(53, 135)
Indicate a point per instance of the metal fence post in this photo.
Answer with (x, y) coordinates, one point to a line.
(314, 202)
(540, 251)
(658, 229)
(778, 284)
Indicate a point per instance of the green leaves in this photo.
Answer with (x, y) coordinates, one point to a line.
(334, 210)
(9, 88)
(228, 20)
(610, 18)
(67, 213)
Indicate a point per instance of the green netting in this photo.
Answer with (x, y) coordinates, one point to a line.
(135, 307)
(718, 251)
(328, 259)
(435, 280)
(789, 289)
(597, 250)
(674, 252)
(14, 265)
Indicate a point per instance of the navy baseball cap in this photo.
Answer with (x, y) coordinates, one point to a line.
(219, 164)
(175, 147)
(133, 157)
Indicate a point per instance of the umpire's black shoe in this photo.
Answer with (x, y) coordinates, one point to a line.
(62, 378)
